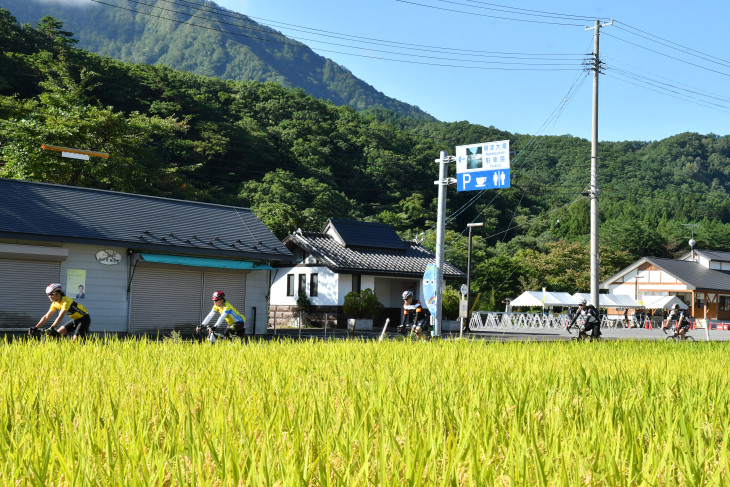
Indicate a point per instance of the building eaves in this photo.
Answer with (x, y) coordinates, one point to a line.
(49, 212)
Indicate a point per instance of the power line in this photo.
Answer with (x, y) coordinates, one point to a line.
(368, 40)
(491, 16)
(484, 65)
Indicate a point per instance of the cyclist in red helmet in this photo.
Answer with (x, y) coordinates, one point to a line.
(65, 305)
(235, 320)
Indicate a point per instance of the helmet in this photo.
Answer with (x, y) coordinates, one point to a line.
(675, 306)
(219, 295)
(53, 288)
(582, 302)
(407, 294)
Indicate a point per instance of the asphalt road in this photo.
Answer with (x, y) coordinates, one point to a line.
(500, 335)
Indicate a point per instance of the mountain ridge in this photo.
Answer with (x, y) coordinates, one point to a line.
(202, 38)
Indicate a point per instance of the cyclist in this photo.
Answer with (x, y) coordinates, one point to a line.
(591, 323)
(414, 316)
(682, 318)
(236, 321)
(65, 305)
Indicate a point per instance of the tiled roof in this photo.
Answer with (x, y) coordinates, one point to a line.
(714, 255)
(409, 262)
(51, 212)
(694, 275)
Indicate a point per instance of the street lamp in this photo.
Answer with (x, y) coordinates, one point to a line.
(468, 266)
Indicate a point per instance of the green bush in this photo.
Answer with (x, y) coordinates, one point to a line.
(450, 303)
(361, 305)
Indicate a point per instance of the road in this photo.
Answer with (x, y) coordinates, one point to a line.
(502, 335)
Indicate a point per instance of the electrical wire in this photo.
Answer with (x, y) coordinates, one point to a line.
(481, 65)
(492, 16)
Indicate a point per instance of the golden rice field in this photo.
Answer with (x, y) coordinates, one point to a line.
(354, 413)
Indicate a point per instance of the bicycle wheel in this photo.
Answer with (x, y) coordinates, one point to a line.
(689, 338)
(671, 337)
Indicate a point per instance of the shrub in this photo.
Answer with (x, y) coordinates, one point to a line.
(363, 305)
(450, 303)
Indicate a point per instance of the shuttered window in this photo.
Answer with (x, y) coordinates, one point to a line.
(165, 299)
(23, 287)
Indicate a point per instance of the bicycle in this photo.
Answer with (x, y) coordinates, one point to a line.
(675, 336)
(214, 334)
(45, 333)
(415, 332)
(583, 336)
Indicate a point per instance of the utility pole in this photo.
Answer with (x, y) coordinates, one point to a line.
(468, 270)
(594, 166)
(442, 182)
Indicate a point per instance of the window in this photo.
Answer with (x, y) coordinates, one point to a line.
(724, 303)
(313, 284)
(302, 284)
(356, 283)
(290, 284)
(699, 301)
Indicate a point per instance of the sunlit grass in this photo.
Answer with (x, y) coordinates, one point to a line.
(134, 412)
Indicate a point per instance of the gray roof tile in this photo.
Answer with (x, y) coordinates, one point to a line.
(694, 275)
(409, 261)
(51, 212)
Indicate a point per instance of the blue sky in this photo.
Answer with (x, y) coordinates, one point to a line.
(520, 68)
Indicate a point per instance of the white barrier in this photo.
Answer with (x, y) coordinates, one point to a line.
(493, 320)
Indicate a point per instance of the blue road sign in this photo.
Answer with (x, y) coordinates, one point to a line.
(476, 180)
(483, 166)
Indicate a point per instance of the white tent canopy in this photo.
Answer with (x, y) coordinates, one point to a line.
(611, 300)
(530, 299)
(658, 302)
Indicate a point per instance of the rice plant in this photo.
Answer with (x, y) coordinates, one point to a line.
(137, 412)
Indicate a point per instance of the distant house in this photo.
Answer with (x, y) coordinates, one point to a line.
(701, 279)
(146, 264)
(349, 256)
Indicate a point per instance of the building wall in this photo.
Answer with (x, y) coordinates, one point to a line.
(257, 284)
(105, 286)
(328, 286)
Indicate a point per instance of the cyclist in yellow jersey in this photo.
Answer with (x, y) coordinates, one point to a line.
(235, 320)
(80, 319)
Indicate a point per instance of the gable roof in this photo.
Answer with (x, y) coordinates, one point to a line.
(410, 261)
(713, 255)
(691, 273)
(52, 212)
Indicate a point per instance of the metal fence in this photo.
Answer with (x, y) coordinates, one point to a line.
(491, 320)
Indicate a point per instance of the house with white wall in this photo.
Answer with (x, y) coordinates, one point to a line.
(700, 278)
(147, 265)
(346, 256)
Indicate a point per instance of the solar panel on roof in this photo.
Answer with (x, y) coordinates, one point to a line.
(367, 234)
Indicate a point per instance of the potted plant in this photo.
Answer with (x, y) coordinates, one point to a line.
(450, 308)
(304, 306)
(362, 308)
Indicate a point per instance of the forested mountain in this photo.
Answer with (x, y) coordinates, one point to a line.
(297, 161)
(200, 37)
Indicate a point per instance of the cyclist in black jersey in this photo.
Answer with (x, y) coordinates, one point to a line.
(591, 322)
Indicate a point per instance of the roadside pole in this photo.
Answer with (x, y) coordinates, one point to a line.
(442, 182)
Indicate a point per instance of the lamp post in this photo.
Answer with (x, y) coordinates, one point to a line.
(468, 266)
